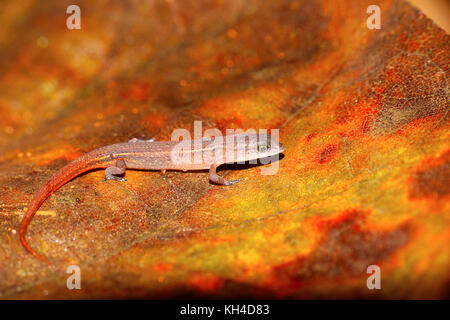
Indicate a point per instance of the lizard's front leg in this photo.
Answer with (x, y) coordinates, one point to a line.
(115, 171)
(215, 178)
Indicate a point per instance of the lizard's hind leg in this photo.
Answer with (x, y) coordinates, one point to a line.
(115, 171)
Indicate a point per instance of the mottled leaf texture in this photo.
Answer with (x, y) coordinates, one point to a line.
(362, 113)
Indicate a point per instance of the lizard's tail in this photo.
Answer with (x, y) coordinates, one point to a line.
(63, 176)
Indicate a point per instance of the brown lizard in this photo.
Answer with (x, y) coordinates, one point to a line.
(156, 155)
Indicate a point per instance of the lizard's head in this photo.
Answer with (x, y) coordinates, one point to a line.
(252, 146)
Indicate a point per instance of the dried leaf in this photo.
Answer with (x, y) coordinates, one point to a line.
(363, 116)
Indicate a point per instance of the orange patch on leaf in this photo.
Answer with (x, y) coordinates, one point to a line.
(256, 108)
(205, 283)
(67, 152)
(153, 121)
(138, 92)
(163, 267)
(223, 239)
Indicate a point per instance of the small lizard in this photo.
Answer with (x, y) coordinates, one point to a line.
(155, 155)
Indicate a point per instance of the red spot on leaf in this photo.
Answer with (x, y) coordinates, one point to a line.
(311, 136)
(432, 179)
(348, 245)
(327, 154)
(205, 283)
(163, 267)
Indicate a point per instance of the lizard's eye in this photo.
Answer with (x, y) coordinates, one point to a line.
(262, 148)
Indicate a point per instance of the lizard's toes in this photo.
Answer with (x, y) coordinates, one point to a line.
(231, 182)
(115, 178)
